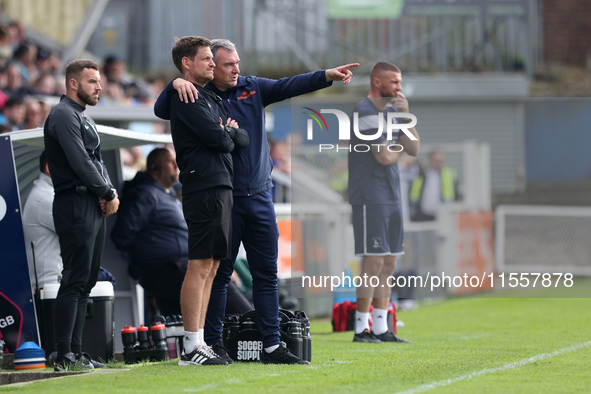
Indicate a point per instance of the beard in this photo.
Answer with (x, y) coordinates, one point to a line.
(87, 98)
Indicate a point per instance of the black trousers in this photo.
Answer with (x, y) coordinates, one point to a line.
(164, 282)
(81, 230)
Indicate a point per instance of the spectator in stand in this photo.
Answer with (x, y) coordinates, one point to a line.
(15, 86)
(116, 71)
(24, 57)
(34, 115)
(5, 46)
(47, 62)
(115, 94)
(14, 113)
(17, 34)
(279, 152)
(46, 84)
(409, 168)
(14, 81)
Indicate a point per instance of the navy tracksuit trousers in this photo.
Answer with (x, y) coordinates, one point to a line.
(255, 224)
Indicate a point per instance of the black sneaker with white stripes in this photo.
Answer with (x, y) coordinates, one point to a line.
(201, 355)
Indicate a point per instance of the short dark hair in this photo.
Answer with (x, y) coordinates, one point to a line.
(187, 46)
(42, 162)
(75, 67)
(153, 159)
(383, 66)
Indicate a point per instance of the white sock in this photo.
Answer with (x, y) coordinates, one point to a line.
(191, 341)
(201, 333)
(271, 349)
(380, 321)
(361, 322)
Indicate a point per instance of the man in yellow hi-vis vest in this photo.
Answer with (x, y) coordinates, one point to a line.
(432, 186)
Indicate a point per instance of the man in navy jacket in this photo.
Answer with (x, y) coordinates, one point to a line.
(253, 215)
(152, 231)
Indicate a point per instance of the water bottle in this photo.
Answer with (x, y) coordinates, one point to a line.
(159, 336)
(143, 337)
(179, 333)
(171, 338)
(294, 338)
(306, 336)
(129, 339)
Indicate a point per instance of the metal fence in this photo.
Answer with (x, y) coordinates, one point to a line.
(282, 37)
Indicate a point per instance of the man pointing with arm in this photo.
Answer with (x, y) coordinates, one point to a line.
(253, 215)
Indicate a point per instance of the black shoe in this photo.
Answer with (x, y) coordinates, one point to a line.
(201, 355)
(222, 352)
(67, 361)
(51, 359)
(389, 337)
(366, 336)
(281, 355)
(85, 359)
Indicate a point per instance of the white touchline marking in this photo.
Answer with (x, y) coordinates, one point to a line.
(505, 367)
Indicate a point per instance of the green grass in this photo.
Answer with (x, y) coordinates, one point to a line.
(463, 345)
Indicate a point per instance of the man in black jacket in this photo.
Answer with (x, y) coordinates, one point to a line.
(84, 197)
(203, 140)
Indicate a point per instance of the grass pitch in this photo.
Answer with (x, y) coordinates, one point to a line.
(464, 345)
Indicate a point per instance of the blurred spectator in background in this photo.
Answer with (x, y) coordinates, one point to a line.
(17, 34)
(132, 88)
(431, 187)
(5, 45)
(115, 94)
(13, 80)
(34, 115)
(14, 112)
(280, 156)
(47, 62)
(46, 84)
(409, 168)
(24, 57)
